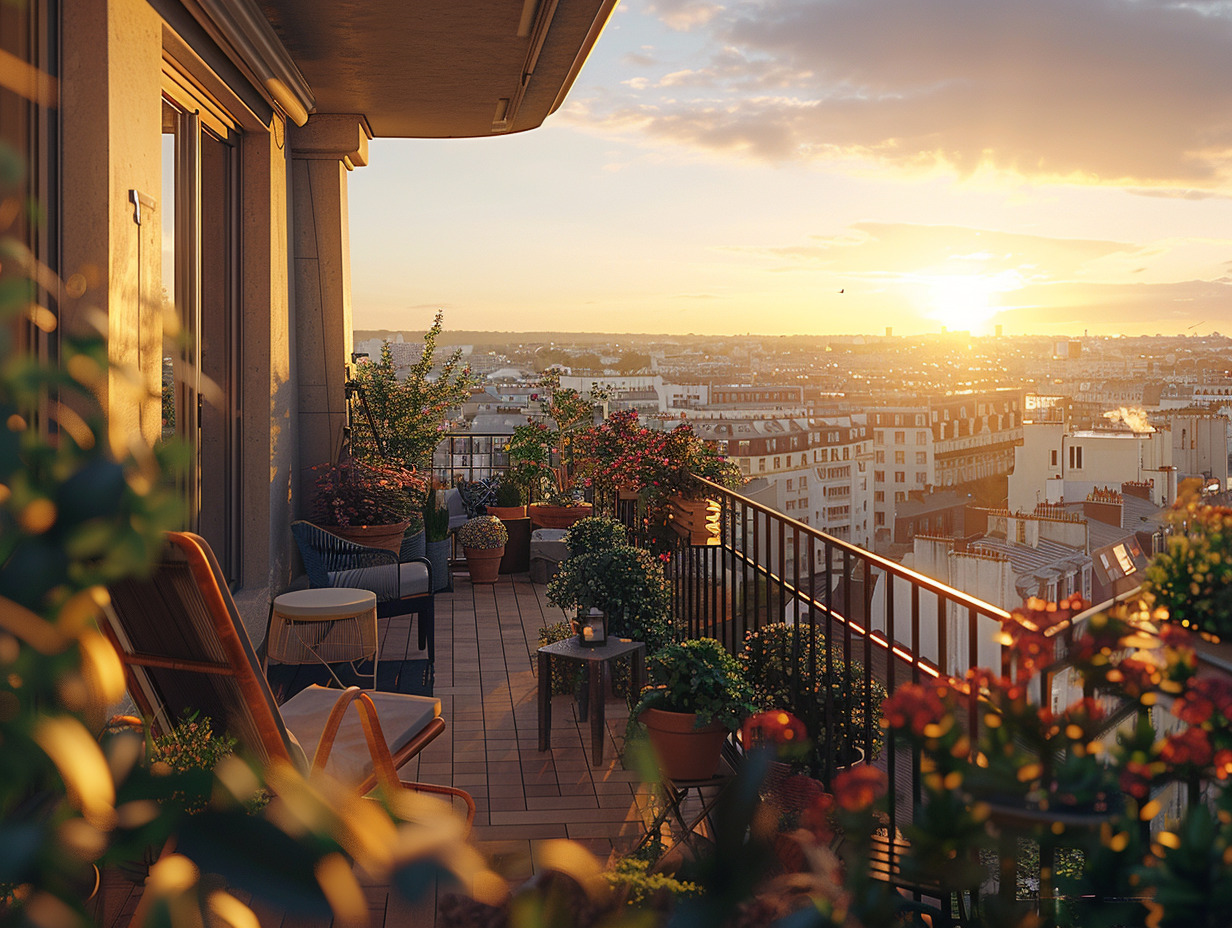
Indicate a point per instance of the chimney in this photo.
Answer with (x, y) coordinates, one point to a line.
(1140, 489)
(1104, 505)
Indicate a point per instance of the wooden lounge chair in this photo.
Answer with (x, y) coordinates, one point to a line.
(401, 587)
(184, 647)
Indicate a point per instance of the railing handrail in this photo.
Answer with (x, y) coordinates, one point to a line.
(891, 567)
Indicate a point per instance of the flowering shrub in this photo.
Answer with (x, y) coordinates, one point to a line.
(1192, 577)
(593, 534)
(1062, 780)
(192, 747)
(622, 454)
(624, 581)
(352, 493)
(483, 532)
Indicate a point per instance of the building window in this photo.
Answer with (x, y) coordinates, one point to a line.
(880, 457)
(879, 496)
(900, 477)
(921, 457)
(921, 438)
(777, 464)
(804, 483)
(1075, 457)
(1054, 457)
(900, 438)
(919, 479)
(878, 518)
(790, 484)
(761, 465)
(879, 476)
(200, 223)
(900, 457)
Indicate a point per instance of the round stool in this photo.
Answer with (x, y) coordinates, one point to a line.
(326, 625)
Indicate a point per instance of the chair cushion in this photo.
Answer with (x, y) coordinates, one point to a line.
(389, 581)
(402, 718)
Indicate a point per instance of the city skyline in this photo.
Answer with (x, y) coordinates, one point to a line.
(784, 167)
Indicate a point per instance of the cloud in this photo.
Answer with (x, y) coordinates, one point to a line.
(642, 58)
(1131, 92)
(913, 250)
(683, 15)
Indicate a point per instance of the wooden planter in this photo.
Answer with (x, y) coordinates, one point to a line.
(388, 537)
(683, 751)
(484, 563)
(697, 521)
(544, 516)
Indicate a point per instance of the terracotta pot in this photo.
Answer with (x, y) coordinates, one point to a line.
(507, 513)
(696, 520)
(683, 751)
(388, 537)
(544, 516)
(484, 563)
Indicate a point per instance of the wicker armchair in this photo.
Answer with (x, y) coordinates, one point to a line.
(401, 587)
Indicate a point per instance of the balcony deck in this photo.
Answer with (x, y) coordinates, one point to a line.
(486, 640)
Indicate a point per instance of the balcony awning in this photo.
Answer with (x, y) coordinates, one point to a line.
(439, 68)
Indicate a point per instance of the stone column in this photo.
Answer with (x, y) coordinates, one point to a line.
(322, 152)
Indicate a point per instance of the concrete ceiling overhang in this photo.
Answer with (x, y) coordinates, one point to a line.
(439, 68)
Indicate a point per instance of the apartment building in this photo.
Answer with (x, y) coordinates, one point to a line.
(815, 471)
(1055, 463)
(940, 441)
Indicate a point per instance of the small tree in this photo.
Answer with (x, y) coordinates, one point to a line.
(409, 413)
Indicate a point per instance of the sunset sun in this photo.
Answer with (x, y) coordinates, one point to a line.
(966, 302)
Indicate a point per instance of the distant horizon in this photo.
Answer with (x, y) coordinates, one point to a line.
(366, 333)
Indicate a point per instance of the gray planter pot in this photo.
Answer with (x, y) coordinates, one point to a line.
(438, 556)
(413, 545)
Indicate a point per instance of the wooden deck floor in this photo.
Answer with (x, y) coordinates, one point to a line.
(486, 642)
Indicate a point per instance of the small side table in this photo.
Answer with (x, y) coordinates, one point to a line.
(326, 625)
(596, 661)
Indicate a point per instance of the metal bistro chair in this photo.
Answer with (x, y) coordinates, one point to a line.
(401, 587)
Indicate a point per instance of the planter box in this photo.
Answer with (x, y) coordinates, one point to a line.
(697, 521)
(544, 516)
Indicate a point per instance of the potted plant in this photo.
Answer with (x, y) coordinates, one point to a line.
(510, 501)
(483, 541)
(790, 668)
(436, 532)
(698, 695)
(365, 504)
(625, 582)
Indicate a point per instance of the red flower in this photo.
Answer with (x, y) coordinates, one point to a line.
(1191, 747)
(858, 788)
(913, 707)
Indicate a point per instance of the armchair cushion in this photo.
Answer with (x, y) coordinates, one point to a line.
(388, 581)
(402, 717)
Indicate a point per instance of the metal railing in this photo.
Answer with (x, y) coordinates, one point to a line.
(897, 625)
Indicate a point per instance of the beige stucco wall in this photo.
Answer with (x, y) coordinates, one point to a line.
(270, 432)
(111, 124)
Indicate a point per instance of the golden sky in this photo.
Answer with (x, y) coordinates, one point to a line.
(834, 166)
